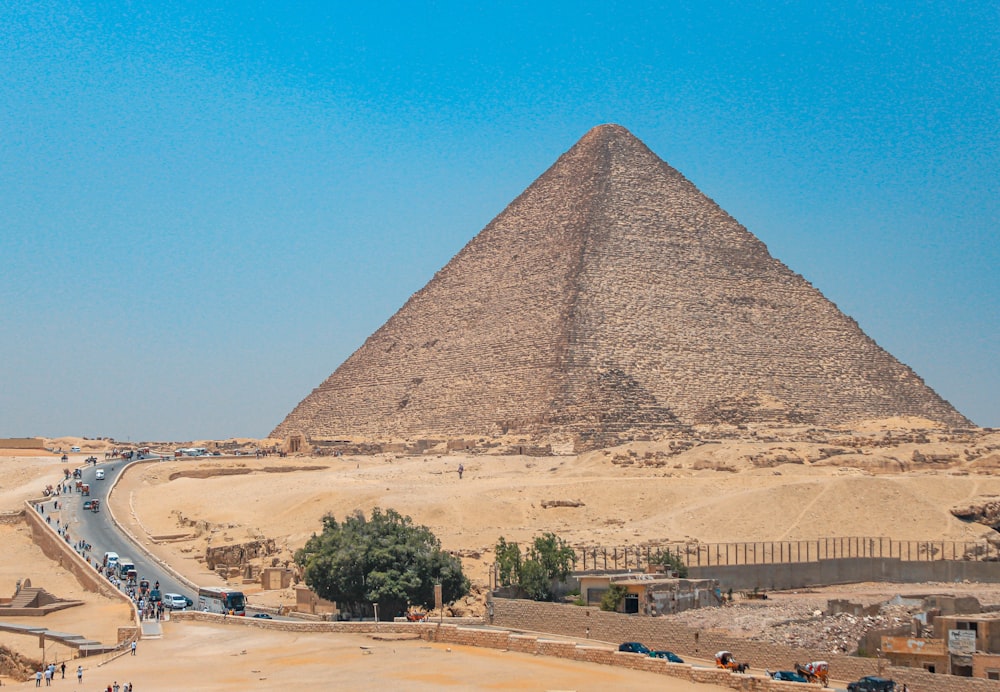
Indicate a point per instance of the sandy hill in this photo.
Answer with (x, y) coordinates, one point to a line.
(770, 485)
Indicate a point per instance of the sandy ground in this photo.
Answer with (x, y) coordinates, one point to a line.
(744, 490)
(201, 656)
(709, 494)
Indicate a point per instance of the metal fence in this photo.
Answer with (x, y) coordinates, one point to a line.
(638, 557)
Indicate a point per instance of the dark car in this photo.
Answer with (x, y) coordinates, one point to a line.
(787, 676)
(871, 683)
(634, 648)
(669, 655)
(637, 648)
(262, 616)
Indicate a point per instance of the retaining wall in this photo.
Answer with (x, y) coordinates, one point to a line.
(585, 623)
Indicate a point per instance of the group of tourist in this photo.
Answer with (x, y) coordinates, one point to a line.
(48, 673)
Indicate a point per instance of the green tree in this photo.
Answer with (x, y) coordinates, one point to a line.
(508, 561)
(670, 561)
(386, 559)
(554, 554)
(613, 597)
(548, 559)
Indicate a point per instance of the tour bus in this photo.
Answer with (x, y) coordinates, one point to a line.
(213, 599)
(125, 565)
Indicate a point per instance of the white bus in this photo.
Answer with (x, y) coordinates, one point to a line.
(213, 599)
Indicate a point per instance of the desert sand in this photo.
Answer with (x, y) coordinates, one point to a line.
(762, 487)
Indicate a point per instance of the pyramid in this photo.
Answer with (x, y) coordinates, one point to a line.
(611, 300)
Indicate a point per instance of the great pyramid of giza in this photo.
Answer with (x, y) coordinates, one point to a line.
(610, 300)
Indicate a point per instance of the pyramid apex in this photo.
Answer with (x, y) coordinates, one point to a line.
(608, 131)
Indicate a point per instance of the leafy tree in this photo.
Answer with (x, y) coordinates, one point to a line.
(670, 561)
(613, 597)
(508, 559)
(385, 560)
(534, 581)
(549, 558)
(554, 555)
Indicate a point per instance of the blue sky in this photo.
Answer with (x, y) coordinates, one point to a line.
(206, 207)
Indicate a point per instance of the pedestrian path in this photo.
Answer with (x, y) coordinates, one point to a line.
(151, 629)
(86, 647)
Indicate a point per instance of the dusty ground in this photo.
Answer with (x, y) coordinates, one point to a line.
(200, 656)
(765, 486)
(733, 491)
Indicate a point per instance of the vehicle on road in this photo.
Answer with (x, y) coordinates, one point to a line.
(872, 683)
(175, 601)
(726, 660)
(125, 565)
(817, 671)
(639, 648)
(669, 655)
(786, 676)
(95, 506)
(110, 558)
(262, 616)
(84, 489)
(88, 505)
(74, 449)
(224, 601)
(99, 474)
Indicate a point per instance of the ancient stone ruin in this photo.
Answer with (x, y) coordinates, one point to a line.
(611, 300)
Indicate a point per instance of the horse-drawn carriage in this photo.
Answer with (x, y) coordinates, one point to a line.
(726, 660)
(817, 671)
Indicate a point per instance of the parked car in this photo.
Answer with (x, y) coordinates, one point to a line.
(872, 683)
(262, 616)
(634, 648)
(669, 655)
(637, 648)
(787, 676)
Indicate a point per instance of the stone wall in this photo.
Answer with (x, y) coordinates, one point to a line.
(58, 550)
(581, 650)
(584, 623)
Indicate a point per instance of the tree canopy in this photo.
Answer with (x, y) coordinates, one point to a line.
(548, 559)
(386, 559)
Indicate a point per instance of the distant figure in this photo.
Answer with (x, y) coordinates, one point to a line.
(461, 470)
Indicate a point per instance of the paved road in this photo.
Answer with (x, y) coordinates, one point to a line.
(97, 529)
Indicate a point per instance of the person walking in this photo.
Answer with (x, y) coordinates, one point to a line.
(62, 669)
(38, 678)
(79, 674)
(133, 647)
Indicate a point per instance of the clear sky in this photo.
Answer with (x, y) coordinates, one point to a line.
(205, 207)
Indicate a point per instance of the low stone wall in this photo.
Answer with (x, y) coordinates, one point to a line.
(660, 633)
(57, 549)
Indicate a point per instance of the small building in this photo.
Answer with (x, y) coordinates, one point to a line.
(963, 645)
(916, 652)
(651, 594)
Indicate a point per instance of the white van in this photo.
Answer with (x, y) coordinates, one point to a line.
(99, 474)
(74, 449)
(110, 560)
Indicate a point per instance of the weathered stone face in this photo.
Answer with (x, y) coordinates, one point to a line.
(611, 299)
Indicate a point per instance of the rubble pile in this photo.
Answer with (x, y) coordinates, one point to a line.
(800, 623)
